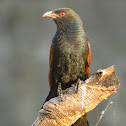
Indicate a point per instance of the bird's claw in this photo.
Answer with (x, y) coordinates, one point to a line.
(60, 92)
(77, 85)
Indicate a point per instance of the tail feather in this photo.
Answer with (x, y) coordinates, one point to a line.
(83, 121)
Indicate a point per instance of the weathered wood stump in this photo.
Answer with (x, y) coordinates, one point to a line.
(91, 92)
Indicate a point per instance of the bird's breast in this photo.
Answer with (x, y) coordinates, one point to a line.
(69, 61)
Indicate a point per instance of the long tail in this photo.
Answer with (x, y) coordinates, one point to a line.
(83, 121)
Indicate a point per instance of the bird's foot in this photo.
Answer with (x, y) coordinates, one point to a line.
(60, 92)
(77, 85)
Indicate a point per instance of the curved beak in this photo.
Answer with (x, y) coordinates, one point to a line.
(50, 14)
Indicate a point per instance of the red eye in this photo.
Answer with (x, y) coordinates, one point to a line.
(62, 13)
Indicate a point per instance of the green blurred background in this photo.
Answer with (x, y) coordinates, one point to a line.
(25, 39)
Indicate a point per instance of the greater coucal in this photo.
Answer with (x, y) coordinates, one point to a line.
(70, 53)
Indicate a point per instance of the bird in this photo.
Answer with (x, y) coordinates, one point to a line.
(70, 53)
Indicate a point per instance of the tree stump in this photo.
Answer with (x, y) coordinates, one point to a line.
(90, 93)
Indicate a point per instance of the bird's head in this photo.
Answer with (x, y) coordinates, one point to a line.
(64, 17)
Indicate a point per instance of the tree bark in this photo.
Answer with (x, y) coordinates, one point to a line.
(74, 104)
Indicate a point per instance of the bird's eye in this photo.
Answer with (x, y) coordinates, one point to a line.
(62, 13)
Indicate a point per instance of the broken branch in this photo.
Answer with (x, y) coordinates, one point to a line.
(91, 92)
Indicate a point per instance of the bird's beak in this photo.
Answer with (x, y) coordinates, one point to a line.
(50, 14)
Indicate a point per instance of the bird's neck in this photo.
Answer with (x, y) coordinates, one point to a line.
(71, 31)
